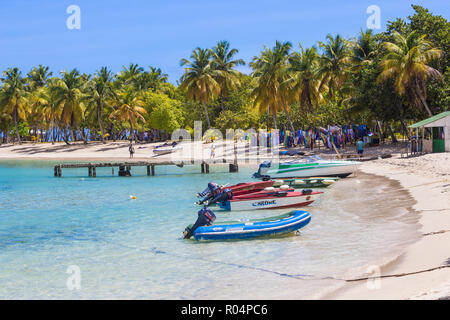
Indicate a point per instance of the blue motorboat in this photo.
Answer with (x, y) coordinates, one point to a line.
(271, 226)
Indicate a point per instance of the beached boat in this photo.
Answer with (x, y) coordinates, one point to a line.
(306, 167)
(166, 148)
(259, 185)
(272, 226)
(270, 200)
(316, 182)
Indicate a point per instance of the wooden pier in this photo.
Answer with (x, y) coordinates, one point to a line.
(124, 168)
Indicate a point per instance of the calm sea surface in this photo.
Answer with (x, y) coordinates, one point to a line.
(133, 249)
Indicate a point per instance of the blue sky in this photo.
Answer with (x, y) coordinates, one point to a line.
(159, 33)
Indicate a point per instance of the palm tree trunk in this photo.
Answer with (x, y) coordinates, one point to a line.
(394, 138)
(132, 132)
(206, 114)
(289, 117)
(422, 98)
(15, 124)
(99, 113)
(274, 117)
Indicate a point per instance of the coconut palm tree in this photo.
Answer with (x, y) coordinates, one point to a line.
(38, 77)
(223, 61)
(99, 91)
(50, 106)
(130, 74)
(304, 80)
(364, 49)
(199, 79)
(68, 90)
(14, 97)
(270, 70)
(130, 108)
(334, 63)
(407, 63)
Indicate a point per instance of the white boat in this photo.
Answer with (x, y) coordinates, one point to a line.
(166, 149)
(307, 167)
(288, 200)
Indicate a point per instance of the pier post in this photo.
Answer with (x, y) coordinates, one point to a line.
(207, 167)
(55, 171)
(233, 167)
(153, 170)
(148, 170)
(202, 167)
(59, 171)
(94, 173)
(90, 171)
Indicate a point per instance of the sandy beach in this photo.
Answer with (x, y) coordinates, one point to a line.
(421, 272)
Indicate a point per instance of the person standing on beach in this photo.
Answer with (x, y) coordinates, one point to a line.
(131, 149)
(360, 146)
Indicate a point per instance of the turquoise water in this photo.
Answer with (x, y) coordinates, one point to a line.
(133, 249)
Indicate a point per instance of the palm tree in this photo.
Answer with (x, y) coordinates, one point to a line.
(334, 63)
(38, 76)
(130, 108)
(99, 92)
(68, 90)
(199, 79)
(407, 64)
(364, 49)
(304, 81)
(130, 74)
(50, 106)
(14, 96)
(223, 61)
(270, 70)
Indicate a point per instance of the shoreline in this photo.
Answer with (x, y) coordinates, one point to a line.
(426, 178)
(419, 265)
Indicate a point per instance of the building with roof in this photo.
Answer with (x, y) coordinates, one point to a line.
(435, 133)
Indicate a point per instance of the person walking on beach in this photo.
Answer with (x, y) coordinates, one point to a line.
(360, 146)
(131, 149)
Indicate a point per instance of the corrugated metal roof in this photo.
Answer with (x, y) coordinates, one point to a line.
(430, 120)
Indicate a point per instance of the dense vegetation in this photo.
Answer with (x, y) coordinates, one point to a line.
(394, 77)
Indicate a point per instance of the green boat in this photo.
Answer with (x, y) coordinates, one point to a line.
(318, 182)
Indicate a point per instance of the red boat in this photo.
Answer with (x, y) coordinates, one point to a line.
(259, 185)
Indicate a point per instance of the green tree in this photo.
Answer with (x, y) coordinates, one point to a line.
(407, 62)
(199, 79)
(14, 97)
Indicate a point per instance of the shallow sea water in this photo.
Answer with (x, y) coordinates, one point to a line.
(133, 249)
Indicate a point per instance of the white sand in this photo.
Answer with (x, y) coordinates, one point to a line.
(426, 177)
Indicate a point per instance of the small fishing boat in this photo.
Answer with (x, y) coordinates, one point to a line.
(306, 167)
(259, 185)
(316, 182)
(272, 226)
(166, 148)
(269, 200)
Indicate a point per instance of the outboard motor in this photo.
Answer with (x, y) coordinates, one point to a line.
(263, 167)
(209, 188)
(225, 195)
(209, 193)
(205, 218)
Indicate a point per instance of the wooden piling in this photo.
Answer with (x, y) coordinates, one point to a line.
(148, 170)
(202, 168)
(207, 167)
(90, 171)
(59, 171)
(153, 170)
(94, 173)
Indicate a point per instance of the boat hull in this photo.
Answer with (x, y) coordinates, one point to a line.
(340, 170)
(291, 200)
(251, 230)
